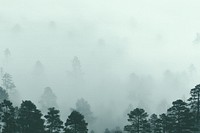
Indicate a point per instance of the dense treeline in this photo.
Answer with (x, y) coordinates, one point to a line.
(181, 117)
(28, 119)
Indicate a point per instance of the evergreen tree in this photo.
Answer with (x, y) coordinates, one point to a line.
(194, 102)
(8, 117)
(76, 123)
(116, 130)
(163, 121)
(92, 131)
(54, 124)
(76, 65)
(83, 107)
(48, 100)
(3, 95)
(180, 118)
(30, 120)
(107, 131)
(8, 84)
(156, 125)
(138, 120)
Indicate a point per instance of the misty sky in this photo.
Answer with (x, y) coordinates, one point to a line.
(139, 52)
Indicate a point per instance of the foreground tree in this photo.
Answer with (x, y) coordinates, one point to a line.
(54, 124)
(194, 102)
(76, 123)
(180, 119)
(30, 120)
(8, 117)
(163, 120)
(156, 125)
(138, 120)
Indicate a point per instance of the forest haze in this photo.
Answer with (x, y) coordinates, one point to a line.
(112, 56)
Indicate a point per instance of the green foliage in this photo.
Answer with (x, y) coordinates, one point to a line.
(54, 124)
(138, 120)
(76, 123)
(164, 122)
(156, 124)
(30, 120)
(194, 102)
(8, 117)
(180, 119)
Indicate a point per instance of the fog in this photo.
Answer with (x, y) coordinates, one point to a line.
(132, 53)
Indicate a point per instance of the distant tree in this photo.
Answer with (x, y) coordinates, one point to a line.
(116, 130)
(76, 65)
(138, 120)
(194, 102)
(107, 131)
(30, 120)
(16, 28)
(76, 123)
(8, 84)
(180, 119)
(52, 25)
(1, 72)
(38, 68)
(83, 107)
(54, 124)
(92, 131)
(8, 117)
(48, 99)
(7, 53)
(3, 95)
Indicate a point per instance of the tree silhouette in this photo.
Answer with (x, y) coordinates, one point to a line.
(163, 118)
(3, 95)
(48, 99)
(54, 124)
(8, 84)
(138, 120)
(8, 117)
(83, 107)
(30, 120)
(180, 119)
(194, 102)
(107, 131)
(76, 123)
(156, 125)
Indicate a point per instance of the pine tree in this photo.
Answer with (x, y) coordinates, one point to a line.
(138, 120)
(8, 117)
(3, 95)
(180, 118)
(76, 123)
(163, 121)
(8, 84)
(194, 102)
(30, 120)
(48, 100)
(156, 125)
(107, 131)
(54, 124)
(83, 107)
